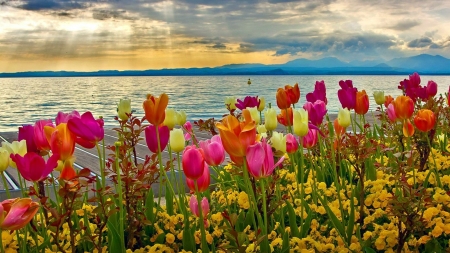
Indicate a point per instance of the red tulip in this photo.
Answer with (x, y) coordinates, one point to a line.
(388, 100)
(404, 107)
(203, 181)
(40, 138)
(213, 151)
(152, 140)
(260, 162)
(283, 120)
(33, 167)
(67, 171)
(193, 162)
(291, 144)
(361, 103)
(61, 139)
(283, 101)
(155, 108)
(89, 131)
(425, 120)
(408, 128)
(293, 93)
(26, 132)
(17, 213)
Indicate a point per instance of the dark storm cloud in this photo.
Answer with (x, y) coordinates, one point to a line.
(426, 42)
(404, 25)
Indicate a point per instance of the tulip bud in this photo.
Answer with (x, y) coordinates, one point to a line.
(171, 118)
(270, 119)
(431, 89)
(425, 120)
(176, 140)
(278, 141)
(311, 139)
(291, 144)
(193, 162)
(408, 129)
(262, 104)
(344, 119)
(391, 113)
(379, 97)
(255, 114)
(193, 204)
(16, 148)
(300, 122)
(230, 103)
(124, 109)
(181, 118)
(4, 159)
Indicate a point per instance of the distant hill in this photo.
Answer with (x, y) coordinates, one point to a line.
(423, 64)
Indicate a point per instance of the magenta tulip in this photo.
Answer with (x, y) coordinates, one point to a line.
(310, 139)
(17, 213)
(193, 162)
(152, 140)
(63, 117)
(26, 132)
(213, 151)
(203, 182)
(40, 138)
(260, 162)
(89, 131)
(291, 144)
(33, 167)
(193, 204)
(319, 93)
(347, 94)
(431, 89)
(316, 111)
(247, 102)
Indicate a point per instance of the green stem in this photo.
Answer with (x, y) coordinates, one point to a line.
(5, 184)
(204, 245)
(181, 193)
(102, 168)
(265, 242)
(56, 193)
(119, 190)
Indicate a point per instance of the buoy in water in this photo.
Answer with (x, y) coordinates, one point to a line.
(249, 82)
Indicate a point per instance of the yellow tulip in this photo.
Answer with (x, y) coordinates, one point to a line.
(15, 147)
(301, 122)
(262, 104)
(124, 108)
(171, 118)
(344, 119)
(270, 119)
(4, 159)
(379, 97)
(278, 141)
(181, 118)
(261, 129)
(230, 103)
(255, 114)
(177, 140)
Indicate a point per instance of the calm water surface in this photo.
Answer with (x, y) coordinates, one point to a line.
(26, 100)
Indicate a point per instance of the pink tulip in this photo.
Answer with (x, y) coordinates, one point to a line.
(152, 140)
(391, 113)
(193, 204)
(62, 117)
(16, 213)
(431, 89)
(347, 94)
(89, 131)
(291, 144)
(319, 93)
(33, 167)
(188, 127)
(213, 151)
(247, 103)
(40, 138)
(193, 162)
(26, 132)
(316, 111)
(260, 162)
(203, 181)
(310, 139)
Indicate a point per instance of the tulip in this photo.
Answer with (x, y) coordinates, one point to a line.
(311, 139)
(278, 141)
(193, 204)
(13, 148)
(404, 107)
(61, 139)
(213, 151)
(193, 162)
(379, 97)
(181, 118)
(283, 101)
(448, 96)
(291, 144)
(124, 109)
(338, 129)
(316, 111)
(283, 119)
(177, 140)
(230, 103)
(362, 102)
(4, 159)
(62, 117)
(319, 93)
(152, 139)
(347, 94)
(293, 93)
(388, 100)
(89, 131)
(344, 118)
(40, 138)
(188, 127)
(203, 181)
(67, 170)
(414, 79)
(26, 132)
(33, 167)
(262, 104)
(155, 107)
(391, 113)
(247, 103)
(171, 118)
(408, 129)
(431, 89)
(300, 122)
(17, 213)
(270, 119)
(425, 120)
(237, 136)
(255, 114)
(260, 162)
(261, 129)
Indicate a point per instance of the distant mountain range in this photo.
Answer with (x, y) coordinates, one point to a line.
(423, 64)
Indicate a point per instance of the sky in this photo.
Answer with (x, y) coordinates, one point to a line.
(90, 35)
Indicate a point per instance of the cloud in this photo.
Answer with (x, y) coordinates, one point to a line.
(218, 46)
(427, 42)
(53, 4)
(102, 14)
(404, 25)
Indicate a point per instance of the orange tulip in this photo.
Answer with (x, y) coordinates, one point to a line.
(425, 120)
(293, 93)
(404, 107)
(362, 102)
(283, 101)
(237, 136)
(283, 120)
(155, 107)
(61, 139)
(408, 128)
(388, 100)
(338, 129)
(16, 213)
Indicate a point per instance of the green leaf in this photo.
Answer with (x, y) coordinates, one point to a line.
(368, 250)
(114, 240)
(169, 200)
(149, 205)
(249, 218)
(292, 220)
(285, 246)
(334, 220)
(351, 219)
(188, 237)
(306, 225)
(433, 246)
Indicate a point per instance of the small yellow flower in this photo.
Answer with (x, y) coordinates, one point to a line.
(170, 238)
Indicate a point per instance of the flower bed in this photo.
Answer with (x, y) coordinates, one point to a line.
(317, 186)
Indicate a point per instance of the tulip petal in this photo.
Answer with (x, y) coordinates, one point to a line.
(255, 159)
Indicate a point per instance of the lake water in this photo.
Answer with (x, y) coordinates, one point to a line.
(26, 100)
